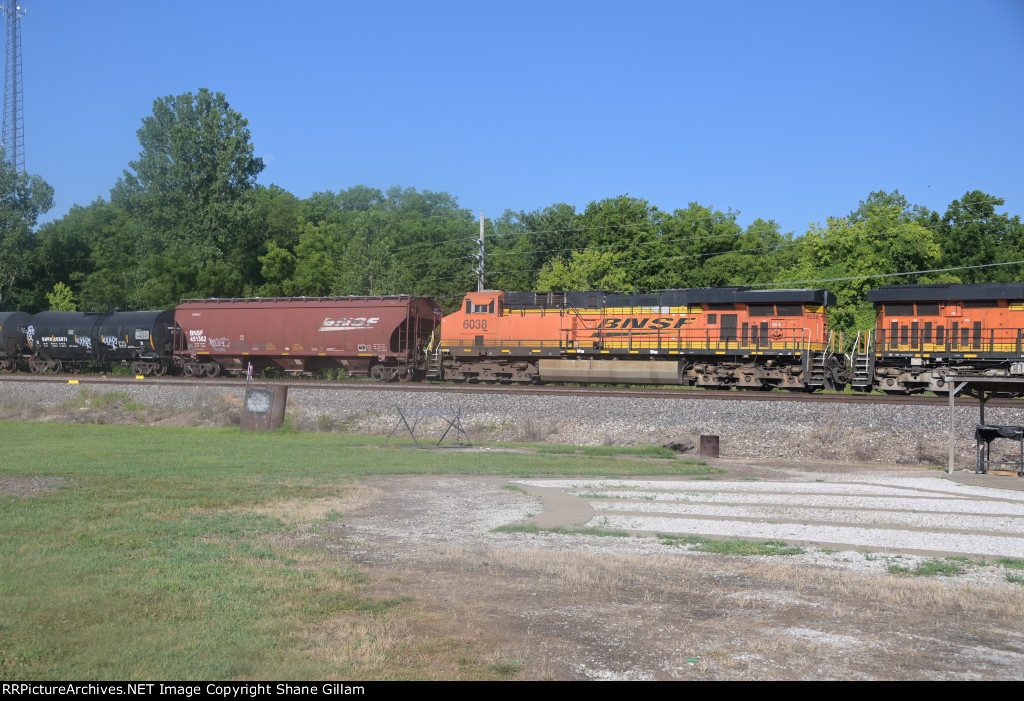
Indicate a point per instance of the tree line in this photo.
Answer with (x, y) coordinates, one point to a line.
(189, 220)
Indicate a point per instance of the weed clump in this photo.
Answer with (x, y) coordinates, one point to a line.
(730, 546)
(930, 568)
(561, 530)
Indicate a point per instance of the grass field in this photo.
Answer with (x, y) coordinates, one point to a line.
(159, 553)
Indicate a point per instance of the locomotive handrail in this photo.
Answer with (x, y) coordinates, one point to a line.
(966, 340)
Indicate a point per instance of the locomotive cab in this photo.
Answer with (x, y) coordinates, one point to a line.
(926, 332)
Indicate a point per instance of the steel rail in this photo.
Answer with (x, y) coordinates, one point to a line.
(666, 392)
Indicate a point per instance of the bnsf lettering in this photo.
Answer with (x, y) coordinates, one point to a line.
(196, 336)
(646, 322)
(352, 322)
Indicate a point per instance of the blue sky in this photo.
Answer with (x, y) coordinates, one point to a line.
(792, 111)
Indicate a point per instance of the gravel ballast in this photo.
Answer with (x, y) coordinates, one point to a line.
(865, 432)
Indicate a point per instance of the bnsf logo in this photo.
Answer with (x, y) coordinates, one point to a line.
(645, 323)
(348, 323)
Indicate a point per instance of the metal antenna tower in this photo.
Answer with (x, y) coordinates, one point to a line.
(14, 116)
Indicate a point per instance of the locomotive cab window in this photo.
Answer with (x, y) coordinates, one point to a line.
(472, 308)
(790, 309)
(761, 309)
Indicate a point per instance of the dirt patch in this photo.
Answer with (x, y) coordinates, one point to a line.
(549, 606)
(28, 486)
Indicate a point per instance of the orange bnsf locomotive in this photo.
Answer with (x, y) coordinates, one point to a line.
(710, 337)
(925, 332)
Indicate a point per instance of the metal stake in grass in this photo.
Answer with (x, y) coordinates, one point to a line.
(248, 378)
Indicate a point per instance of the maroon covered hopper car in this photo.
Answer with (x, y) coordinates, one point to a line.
(380, 337)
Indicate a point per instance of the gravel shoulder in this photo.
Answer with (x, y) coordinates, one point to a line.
(568, 606)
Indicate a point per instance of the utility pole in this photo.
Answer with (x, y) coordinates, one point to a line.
(480, 257)
(14, 118)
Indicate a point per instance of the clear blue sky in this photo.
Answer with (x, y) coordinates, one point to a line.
(792, 111)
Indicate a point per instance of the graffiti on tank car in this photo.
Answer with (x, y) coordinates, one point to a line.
(84, 341)
(109, 341)
(30, 335)
(349, 323)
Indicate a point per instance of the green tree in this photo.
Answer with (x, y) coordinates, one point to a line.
(61, 299)
(694, 236)
(620, 250)
(520, 244)
(190, 198)
(971, 233)
(23, 198)
(855, 253)
(757, 256)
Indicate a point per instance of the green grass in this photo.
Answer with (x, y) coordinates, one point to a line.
(931, 568)
(563, 530)
(731, 546)
(155, 556)
(652, 451)
(1010, 563)
(1014, 578)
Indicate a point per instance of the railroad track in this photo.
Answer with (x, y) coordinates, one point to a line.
(538, 390)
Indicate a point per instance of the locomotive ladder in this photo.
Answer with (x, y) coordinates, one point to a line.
(434, 366)
(863, 362)
(816, 376)
(817, 367)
